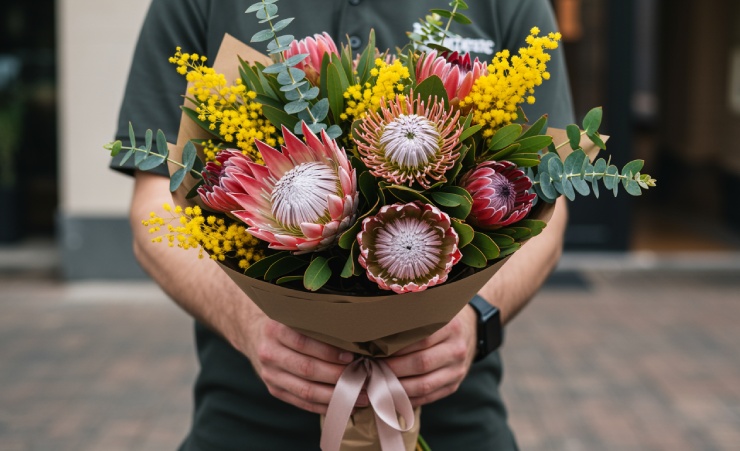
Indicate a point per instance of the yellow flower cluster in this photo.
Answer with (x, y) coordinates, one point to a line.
(510, 82)
(387, 81)
(229, 109)
(191, 229)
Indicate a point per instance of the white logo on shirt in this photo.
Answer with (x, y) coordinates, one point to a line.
(463, 45)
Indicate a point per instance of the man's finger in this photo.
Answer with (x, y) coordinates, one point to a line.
(314, 348)
(421, 362)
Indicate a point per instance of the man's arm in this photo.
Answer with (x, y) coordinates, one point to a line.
(296, 369)
(514, 285)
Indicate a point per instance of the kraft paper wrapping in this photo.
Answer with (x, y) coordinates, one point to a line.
(362, 434)
(374, 326)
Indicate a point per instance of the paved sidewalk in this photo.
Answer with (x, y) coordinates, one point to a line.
(602, 360)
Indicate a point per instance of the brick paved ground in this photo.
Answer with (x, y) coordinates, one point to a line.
(623, 361)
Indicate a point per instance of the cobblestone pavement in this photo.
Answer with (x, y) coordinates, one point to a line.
(601, 360)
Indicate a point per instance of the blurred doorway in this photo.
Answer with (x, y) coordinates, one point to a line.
(28, 134)
(668, 76)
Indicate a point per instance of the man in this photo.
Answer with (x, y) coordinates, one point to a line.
(261, 384)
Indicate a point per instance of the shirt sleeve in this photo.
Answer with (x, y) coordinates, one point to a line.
(553, 97)
(154, 89)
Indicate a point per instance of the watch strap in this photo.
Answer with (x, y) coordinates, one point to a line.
(489, 331)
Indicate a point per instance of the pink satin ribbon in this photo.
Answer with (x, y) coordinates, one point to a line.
(387, 397)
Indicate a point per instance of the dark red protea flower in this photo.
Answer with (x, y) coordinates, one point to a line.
(500, 194)
(222, 179)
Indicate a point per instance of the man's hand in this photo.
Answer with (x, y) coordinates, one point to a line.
(434, 367)
(296, 369)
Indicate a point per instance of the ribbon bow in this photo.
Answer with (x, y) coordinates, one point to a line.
(386, 395)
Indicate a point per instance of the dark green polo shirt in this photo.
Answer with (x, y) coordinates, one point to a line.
(233, 410)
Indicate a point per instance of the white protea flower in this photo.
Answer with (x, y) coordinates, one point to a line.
(408, 247)
(302, 199)
(409, 141)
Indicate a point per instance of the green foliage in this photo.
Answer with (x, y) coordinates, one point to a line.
(317, 273)
(577, 174)
(146, 158)
(283, 81)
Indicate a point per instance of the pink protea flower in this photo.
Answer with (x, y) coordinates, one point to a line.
(315, 47)
(223, 178)
(302, 198)
(500, 194)
(407, 142)
(408, 247)
(458, 73)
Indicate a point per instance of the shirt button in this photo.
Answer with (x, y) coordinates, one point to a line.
(355, 42)
(355, 2)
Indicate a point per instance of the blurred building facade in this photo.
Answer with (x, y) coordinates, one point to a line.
(667, 74)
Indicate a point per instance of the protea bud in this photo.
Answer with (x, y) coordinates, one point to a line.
(315, 47)
(458, 72)
(408, 247)
(500, 194)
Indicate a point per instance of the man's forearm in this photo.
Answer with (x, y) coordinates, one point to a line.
(199, 286)
(522, 276)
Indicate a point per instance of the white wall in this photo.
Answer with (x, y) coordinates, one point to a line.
(95, 43)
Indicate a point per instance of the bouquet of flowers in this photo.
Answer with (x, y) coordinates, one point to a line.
(364, 199)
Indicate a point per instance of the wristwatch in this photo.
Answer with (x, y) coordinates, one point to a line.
(490, 331)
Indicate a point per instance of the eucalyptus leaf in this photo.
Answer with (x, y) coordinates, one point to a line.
(177, 178)
(633, 167)
(295, 59)
(610, 179)
(568, 189)
(592, 121)
(131, 135)
(574, 136)
(334, 131)
(295, 106)
(546, 186)
(462, 19)
(581, 186)
(262, 36)
(116, 148)
(293, 86)
(284, 77)
(267, 11)
(151, 162)
(632, 188)
(126, 156)
(188, 155)
(320, 109)
(148, 140)
(279, 25)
